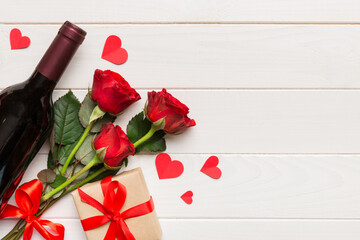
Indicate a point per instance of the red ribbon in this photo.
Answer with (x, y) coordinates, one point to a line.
(28, 198)
(111, 206)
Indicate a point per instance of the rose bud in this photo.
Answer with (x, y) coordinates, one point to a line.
(163, 106)
(112, 145)
(112, 92)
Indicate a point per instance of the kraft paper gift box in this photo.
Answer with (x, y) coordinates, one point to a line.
(146, 227)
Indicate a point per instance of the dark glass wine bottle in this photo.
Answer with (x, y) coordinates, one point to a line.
(26, 110)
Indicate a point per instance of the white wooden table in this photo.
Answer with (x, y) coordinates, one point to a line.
(274, 86)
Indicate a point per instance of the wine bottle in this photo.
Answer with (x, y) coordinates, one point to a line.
(26, 110)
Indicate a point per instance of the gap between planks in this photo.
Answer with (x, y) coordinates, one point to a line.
(224, 89)
(227, 219)
(187, 23)
(233, 89)
(249, 154)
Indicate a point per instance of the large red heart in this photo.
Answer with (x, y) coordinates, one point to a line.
(210, 167)
(167, 168)
(113, 52)
(17, 41)
(187, 197)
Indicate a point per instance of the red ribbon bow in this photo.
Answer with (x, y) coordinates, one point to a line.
(113, 202)
(28, 198)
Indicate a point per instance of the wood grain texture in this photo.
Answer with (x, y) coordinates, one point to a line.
(179, 229)
(43, 11)
(262, 121)
(252, 186)
(202, 56)
(260, 89)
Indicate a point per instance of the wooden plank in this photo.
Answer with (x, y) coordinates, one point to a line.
(202, 56)
(73, 228)
(181, 11)
(199, 229)
(260, 229)
(263, 121)
(252, 186)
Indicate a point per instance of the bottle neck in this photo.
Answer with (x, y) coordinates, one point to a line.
(57, 57)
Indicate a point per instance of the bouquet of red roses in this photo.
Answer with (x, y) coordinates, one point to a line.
(86, 146)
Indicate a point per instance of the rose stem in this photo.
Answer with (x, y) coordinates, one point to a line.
(10, 234)
(77, 146)
(48, 205)
(83, 182)
(86, 180)
(94, 161)
(19, 232)
(146, 137)
(15, 230)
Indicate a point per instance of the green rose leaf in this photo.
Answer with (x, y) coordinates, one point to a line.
(105, 119)
(72, 169)
(82, 176)
(156, 143)
(67, 124)
(138, 127)
(87, 107)
(62, 154)
(58, 181)
(49, 189)
(102, 175)
(50, 161)
(52, 139)
(46, 176)
(86, 153)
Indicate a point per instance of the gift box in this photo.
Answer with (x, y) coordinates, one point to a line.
(143, 227)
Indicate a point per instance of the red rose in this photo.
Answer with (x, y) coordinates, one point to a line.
(117, 145)
(112, 92)
(164, 105)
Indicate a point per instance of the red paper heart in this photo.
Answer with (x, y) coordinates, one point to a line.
(113, 52)
(210, 167)
(166, 168)
(187, 197)
(17, 41)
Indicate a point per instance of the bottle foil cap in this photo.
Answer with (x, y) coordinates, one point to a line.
(73, 32)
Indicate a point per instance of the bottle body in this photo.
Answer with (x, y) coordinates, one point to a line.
(26, 120)
(26, 110)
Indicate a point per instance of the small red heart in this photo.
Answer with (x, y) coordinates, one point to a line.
(113, 52)
(187, 197)
(166, 168)
(17, 41)
(210, 167)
